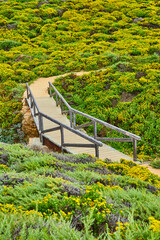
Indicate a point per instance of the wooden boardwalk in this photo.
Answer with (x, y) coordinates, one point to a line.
(47, 106)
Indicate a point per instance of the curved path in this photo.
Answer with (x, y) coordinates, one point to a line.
(39, 89)
(40, 86)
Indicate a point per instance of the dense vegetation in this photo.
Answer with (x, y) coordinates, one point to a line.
(45, 38)
(106, 95)
(54, 196)
(10, 115)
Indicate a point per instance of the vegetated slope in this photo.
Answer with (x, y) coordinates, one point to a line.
(112, 98)
(45, 38)
(55, 196)
(10, 115)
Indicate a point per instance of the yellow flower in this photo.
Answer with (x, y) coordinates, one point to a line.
(155, 224)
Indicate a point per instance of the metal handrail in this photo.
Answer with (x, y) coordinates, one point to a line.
(93, 118)
(79, 133)
(107, 124)
(32, 97)
(133, 138)
(33, 105)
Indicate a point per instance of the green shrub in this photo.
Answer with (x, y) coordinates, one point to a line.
(7, 44)
(56, 196)
(155, 164)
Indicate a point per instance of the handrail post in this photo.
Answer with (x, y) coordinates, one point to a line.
(95, 129)
(27, 92)
(34, 109)
(56, 100)
(49, 89)
(74, 119)
(40, 122)
(31, 100)
(61, 106)
(62, 137)
(97, 150)
(134, 150)
(70, 112)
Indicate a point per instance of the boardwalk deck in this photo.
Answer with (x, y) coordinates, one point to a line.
(47, 105)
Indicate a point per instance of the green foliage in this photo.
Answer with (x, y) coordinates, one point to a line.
(120, 100)
(13, 135)
(155, 164)
(46, 38)
(7, 44)
(10, 115)
(55, 196)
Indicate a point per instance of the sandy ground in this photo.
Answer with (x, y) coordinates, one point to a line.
(40, 86)
(152, 170)
(40, 89)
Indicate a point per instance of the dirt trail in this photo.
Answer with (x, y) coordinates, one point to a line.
(40, 86)
(40, 89)
(152, 170)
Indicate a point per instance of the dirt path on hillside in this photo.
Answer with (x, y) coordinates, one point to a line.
(152, 170)
(40, 89)
(40, 86)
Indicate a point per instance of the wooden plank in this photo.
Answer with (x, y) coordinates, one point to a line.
(32, 103)
(50, 90)
(73, 136)
(31, 96)
(78, 145)
(66, 111)
(62, 137)
(56, 99)
(74, 120)
(40, 122)
(114, 139)
(52, 94)
(95, 119)
(51, 129)
(70, 118)
(107, 125)
(95, 130)
(85, 136)
(57, 93)
(34, 117)
(58, 102)
(61, 106)
(84, 125)
(134, 150)
(96, 151)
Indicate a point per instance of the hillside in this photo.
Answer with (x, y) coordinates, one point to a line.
(55, 196)
(46, 38)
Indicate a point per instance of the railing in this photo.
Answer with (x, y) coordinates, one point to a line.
(72, 112)
(39, 116)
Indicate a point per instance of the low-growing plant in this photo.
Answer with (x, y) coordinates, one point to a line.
(155, 164)
(46, 195)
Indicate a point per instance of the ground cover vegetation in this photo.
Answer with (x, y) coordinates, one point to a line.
(45, 38)
(55, 196)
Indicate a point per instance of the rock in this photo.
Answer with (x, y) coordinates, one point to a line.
(28, 126)
(11, 26)
(127, 97)
(4, 158)
(39, 148)
(135, 20)
(22, 57)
